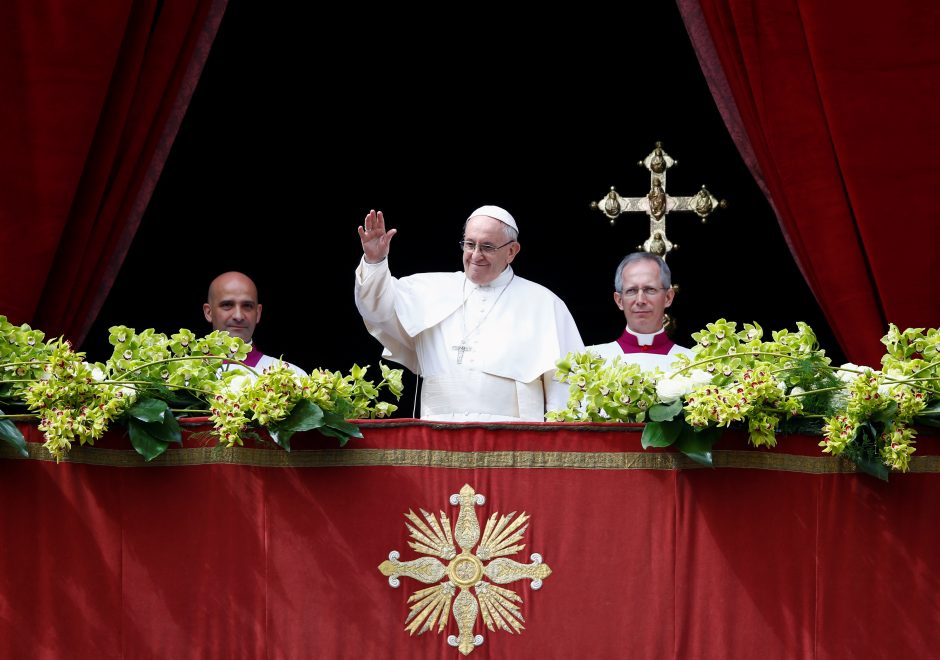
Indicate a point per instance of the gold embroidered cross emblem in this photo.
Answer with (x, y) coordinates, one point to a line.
(480, 571)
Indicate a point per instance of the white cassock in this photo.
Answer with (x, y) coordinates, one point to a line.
(486, 353)
(630, 349)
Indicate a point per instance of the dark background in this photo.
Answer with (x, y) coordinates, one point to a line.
(300, 125)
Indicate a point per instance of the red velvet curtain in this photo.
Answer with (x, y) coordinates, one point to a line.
(835, 107)
(92, 97)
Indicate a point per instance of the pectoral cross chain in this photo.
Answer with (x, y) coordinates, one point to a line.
(461, 349)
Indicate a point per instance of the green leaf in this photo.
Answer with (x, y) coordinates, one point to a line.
(13, 437)
(179, 398)
(283, 442)
(334, 421)
(697, 445)
(336, 433)
(874, 467)
(149, 409)
(143, 440)
(929, 416)
(281, 437)
(335, 426)
(933, 410)
(168, 430)
(152, 427)
(661, 434)
(802, 425)
(867, 434)
(662, 412)
(863, 451)
(927, 421)
(889, 413)
(305, 416)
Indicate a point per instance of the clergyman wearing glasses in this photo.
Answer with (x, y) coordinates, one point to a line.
(484, 340)
(643, 290)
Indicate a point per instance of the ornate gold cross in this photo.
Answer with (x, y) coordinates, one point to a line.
(657, 204)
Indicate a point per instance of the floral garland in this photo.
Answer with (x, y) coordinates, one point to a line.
(736, 378)
(732, 378)
(151, 380)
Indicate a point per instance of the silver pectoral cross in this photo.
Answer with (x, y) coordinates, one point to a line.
(461, 349)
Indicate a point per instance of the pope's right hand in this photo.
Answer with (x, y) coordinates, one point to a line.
(374, 238)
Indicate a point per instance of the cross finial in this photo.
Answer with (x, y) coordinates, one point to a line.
(657, 204)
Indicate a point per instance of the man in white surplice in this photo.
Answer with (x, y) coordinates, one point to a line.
(643, 291)
(485, 340)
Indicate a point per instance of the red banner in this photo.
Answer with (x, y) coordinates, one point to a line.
(256, 552)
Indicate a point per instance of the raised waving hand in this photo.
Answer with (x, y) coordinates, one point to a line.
(375, 239)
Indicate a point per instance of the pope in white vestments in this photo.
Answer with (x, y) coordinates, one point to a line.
(484, 340)
(643, 291)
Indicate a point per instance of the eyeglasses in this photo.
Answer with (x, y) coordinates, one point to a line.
(485, 248)
(648, 292)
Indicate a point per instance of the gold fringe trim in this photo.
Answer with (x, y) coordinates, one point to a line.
(352, 457)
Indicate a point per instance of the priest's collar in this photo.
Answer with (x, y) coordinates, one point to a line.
(254, 356)
(656, 343)
(501, 280)
(645, 339)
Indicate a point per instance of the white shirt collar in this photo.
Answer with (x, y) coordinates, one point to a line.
(645, 339)
(501, 280)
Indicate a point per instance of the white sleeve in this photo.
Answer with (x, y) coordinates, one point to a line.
(375, 300)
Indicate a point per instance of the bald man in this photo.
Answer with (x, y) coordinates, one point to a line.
(233, 306)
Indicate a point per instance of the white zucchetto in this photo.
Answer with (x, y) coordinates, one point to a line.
(497, 213)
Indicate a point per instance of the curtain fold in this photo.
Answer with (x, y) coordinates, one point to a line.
(93, 97)
(834, 106)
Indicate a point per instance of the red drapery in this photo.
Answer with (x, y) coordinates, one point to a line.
(260, 553)
(93, 95)
(834, 106)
